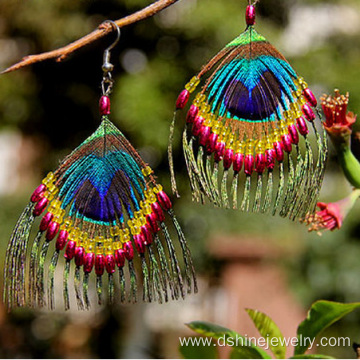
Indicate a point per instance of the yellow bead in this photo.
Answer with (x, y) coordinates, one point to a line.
(204, 109)
(109, 248)
(99, 249)
(51, 187)
(304, 85)
(151, 198)
(124, 235)
(147, 171)
(99, 239)
(158, 188)
(67, 224)
(210, 120)
(117, 245)
(216, 128)
(114, 231)
(90, 245)
(250, 147)
(295, 108)
(260, 145)
(74, 234)
(268, 143)
(200, 98)
(297, 93)
(192, 84)
(48, 195)
(302, 100)
(49, 179)
(239, 147)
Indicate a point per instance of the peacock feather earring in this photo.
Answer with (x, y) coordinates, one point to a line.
(101, 203)
(248, 129)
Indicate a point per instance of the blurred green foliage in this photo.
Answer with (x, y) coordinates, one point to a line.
(57, 104)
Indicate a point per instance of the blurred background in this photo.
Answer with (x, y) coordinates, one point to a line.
(242, 260)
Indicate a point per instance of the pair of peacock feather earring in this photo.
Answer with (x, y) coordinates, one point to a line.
(252, 113)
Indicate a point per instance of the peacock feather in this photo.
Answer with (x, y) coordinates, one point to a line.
(248, 129)
(101, 204)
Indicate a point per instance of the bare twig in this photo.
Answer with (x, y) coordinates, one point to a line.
(101, 31)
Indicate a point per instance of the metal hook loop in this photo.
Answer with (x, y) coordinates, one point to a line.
(115, 26)
(107, 66)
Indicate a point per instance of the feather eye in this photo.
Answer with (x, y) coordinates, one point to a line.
(250, 120)
(99, 208)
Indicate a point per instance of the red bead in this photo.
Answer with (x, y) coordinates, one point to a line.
(61, 240)
(302, 126)
(293, 134)
(89, 261)
(238, 162)
(147, 234)
(308, 112)
(40, 206)
(156, 208)
(286, 140)
(219, 151)
(164, 200)
(70, 250)
(192, 113)
(79, 256)
(270, 155)
(152, 221)
(250, 15)
(198, 122)
(182, 99)
(110, 263)
(279, 152)
(99, 264)
(310, 97)
(211, 144)
(38, 193)
(52, 230)
(45, 221)
(120, 257)
(260, 163)
(228, 158)
(249, 164)
(129, 250)
(104, 105)
(204, 135)
(139, 243)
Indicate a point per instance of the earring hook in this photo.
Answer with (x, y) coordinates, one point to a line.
(107, 66)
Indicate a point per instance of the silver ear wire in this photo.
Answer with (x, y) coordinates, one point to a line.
(107, 66)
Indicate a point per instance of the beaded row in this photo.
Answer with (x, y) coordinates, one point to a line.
(100, 252)
(218, 138)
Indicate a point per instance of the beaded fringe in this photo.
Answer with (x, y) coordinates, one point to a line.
(291, 189)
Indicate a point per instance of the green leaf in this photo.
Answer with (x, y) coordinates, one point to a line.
(243, 348)
(198, 351)
(321, 315)
(312, 356)
(269, 330)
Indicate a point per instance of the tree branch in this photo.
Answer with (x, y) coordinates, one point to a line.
(102, 30)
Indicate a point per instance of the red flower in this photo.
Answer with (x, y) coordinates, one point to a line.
(337, 120)
(331, 215)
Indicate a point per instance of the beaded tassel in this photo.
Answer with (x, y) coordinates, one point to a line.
(99, 209)
(251, 113)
